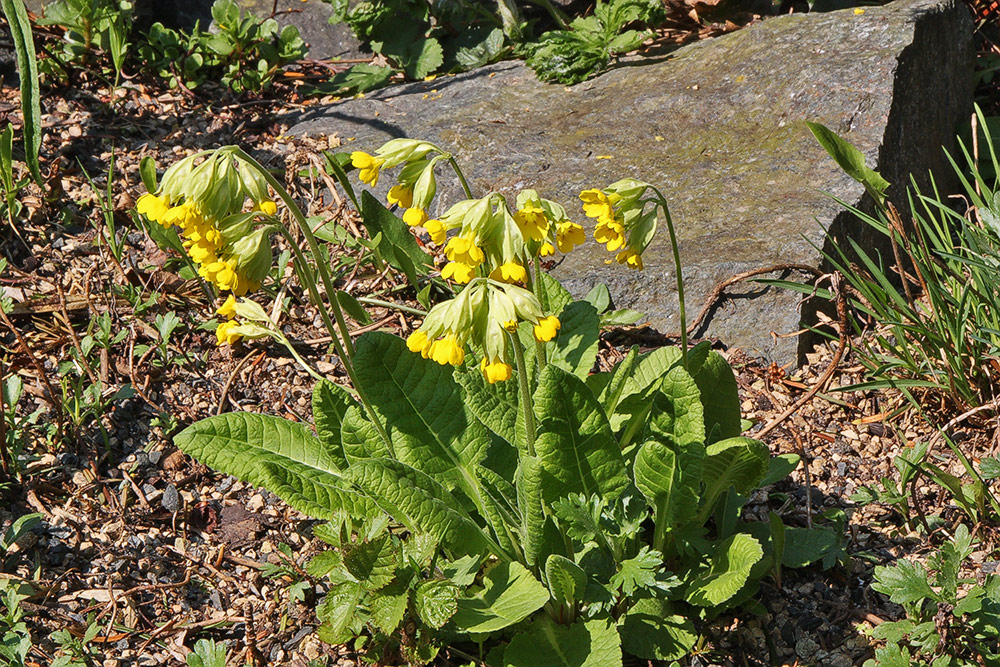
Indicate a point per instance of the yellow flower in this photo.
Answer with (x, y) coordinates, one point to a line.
(152, 207)
(201, 254)
(267, 207)
(464, 249)
(631, 258)
(447, 350)
(437, 231)
(610, 232)
(401, 196)
(460, 272)
(417, 341)
(415, 216)
(184, 216)
(509, 272)
(495, 371)
(532, 222)
(597, 204)
(569, 235)
(546, 250)
(228, 308)
(510, 325)
(546, 328)
(224, 333)
(368, 166)
(222, 274)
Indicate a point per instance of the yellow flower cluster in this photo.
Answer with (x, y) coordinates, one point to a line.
(491, 241)
(416, 184)
(481, 315)
(205, 202)
(623, 224)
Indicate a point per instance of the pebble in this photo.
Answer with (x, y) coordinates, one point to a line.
(256, 503)
(170, 500)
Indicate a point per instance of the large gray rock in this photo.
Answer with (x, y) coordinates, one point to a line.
(720, 127)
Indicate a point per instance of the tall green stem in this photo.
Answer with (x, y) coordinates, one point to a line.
(543, 299)
(680, 277)
(342, 342)
(461, 177)
(522, 381)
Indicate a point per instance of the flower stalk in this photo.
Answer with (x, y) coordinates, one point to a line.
(342, 338)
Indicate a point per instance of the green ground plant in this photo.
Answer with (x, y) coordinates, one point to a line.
(592, 42)
(938, 319)
(207, 653)
(542, 506)
(15, 638)
(951, 621)
(244, 52)
(420, 38)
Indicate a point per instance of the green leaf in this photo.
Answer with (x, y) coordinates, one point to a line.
(372, 562)
(358, 437)
(620, 318)
(780, 467)
(575, 348)
(388, 606)
(599, 297)
(419, 503)
(475, 48)
(552, 295)
(341, 613)
(989, 467)
(207, 653)
(629, 40)
(650, 368)
(807, 545)
(430, 426)
(358, 79)
(423, 57)
(566, 579)
(495, 505)
(676, 412)
(495, 405)
(530, 478)
(904, 582)
(510, 594)
(147, 171)
(720, 398)
(253, 446)
(330, 402)
(397, 245)
(738, 462)
(27, 69)
(638, 572)
(728, 572)
(593, 643)
(669, 476)
(436, 601)
(351, 306)
(850, 159)
(650, 631)
(567, 57)
(574, 444)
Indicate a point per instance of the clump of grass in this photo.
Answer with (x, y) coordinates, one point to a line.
(927, 314)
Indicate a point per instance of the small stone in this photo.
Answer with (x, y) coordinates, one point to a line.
(170, 499)
(256, 503)
(806, 648)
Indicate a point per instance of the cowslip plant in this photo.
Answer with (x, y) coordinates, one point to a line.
(563, 517)
(951, 621)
